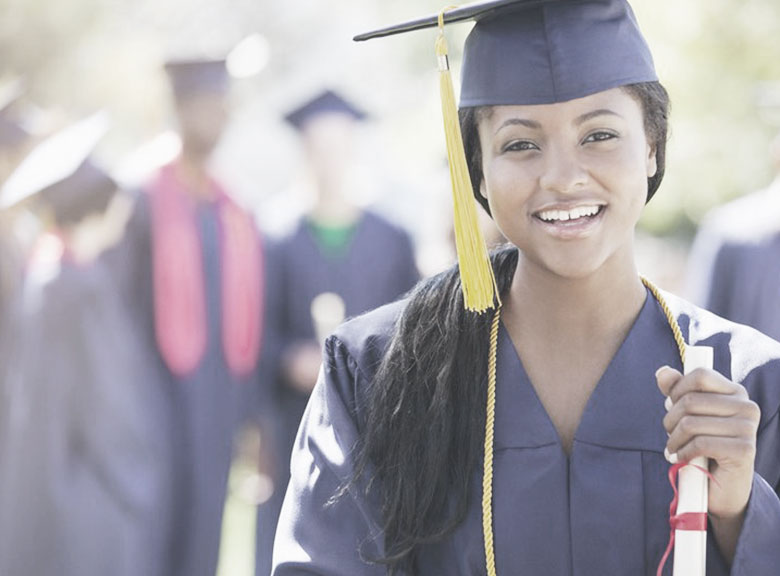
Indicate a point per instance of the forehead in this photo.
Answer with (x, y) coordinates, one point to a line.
(616, 102)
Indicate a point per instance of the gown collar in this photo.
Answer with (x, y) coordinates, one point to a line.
(625, 410)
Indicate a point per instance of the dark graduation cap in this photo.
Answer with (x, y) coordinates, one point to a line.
(525, 52)
(544, 51)
(326, 102)
(196, 76)
(60, 174)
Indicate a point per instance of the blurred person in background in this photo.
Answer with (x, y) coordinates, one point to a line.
(13, 143)
(14, 140)
(340, 261)
(82, 487)
(190, 268)
(735, 259)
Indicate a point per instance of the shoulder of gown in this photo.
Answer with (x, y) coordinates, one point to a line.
(322, 462)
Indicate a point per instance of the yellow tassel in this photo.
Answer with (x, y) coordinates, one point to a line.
(476, 272)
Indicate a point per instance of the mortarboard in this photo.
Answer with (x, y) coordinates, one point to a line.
(195, 76)
(326, 102)
(60, 173)
(523, 52)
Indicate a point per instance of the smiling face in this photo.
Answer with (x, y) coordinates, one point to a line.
(566, 182)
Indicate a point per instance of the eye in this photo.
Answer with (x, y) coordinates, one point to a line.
(519, 146)
(600, 136)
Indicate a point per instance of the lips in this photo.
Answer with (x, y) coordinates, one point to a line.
(570, 222)
(564, 215)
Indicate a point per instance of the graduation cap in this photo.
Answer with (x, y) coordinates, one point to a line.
(60, 173)
(326, 102)
(524, 52)
(196, 76)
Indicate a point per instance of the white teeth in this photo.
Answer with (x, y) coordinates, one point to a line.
(564, 215)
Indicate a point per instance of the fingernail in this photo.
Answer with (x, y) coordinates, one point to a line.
(661, 370)
(668, 403)
(671, 458)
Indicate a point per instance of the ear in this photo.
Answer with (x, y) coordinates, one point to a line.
(652, 163)
(483, 189)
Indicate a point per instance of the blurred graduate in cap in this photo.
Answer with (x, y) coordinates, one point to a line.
(83, 466)
(509, 417)
(734, 270)
(341, 260)
(191, 268)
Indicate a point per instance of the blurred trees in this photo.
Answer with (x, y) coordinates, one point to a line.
(716, 57)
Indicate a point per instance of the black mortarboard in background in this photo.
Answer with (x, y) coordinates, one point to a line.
(60, 174)
(326, 102)
(525, 52)
(196, 76)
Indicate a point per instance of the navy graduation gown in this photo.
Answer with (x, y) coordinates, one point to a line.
(603, 510)
(85, 492)
(377, 267)
(201, 410)
(745, 284)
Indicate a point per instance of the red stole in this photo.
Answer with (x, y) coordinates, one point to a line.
(181, 325)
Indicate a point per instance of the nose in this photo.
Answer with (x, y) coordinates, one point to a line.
(563, 171)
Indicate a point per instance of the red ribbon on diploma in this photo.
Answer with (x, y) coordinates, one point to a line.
(690, 521)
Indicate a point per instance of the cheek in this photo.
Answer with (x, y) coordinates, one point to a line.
(507, 188)
(506, 182)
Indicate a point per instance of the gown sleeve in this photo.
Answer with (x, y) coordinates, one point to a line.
(758, 548)
(317, 535)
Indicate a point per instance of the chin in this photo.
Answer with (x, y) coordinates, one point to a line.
(570, 266)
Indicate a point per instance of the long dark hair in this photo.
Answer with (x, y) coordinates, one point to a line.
(424, 420)
(425, 415)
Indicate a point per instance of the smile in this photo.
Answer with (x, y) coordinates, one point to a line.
(569, 215)
(577, 222)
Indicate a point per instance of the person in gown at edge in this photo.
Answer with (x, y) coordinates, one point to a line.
(83, 486)
(733, 272)
(14, 139)
(353, 255)
(564, 125)
(191, 267)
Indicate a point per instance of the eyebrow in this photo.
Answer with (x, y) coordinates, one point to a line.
(579, 120)
(518, 122)
(594, 114)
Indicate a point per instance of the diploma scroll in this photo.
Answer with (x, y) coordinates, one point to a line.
(327, 312)
(690, 548)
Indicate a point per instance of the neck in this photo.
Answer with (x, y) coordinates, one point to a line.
(331, 208)
(595, 309)
(192, 173)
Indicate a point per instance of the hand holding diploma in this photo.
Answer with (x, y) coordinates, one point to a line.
(709, 416)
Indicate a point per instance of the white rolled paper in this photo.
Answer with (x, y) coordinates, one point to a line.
(690, 546)
(327, 312)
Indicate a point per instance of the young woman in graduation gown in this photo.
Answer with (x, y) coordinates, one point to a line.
(401, 466)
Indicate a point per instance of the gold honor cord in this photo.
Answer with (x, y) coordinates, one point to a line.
(487, 477)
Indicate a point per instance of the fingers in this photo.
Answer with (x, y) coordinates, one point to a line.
(667, 377)
(708, 404)
(675, 385)
(694, 433)
(729, 452)
(708, 415)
